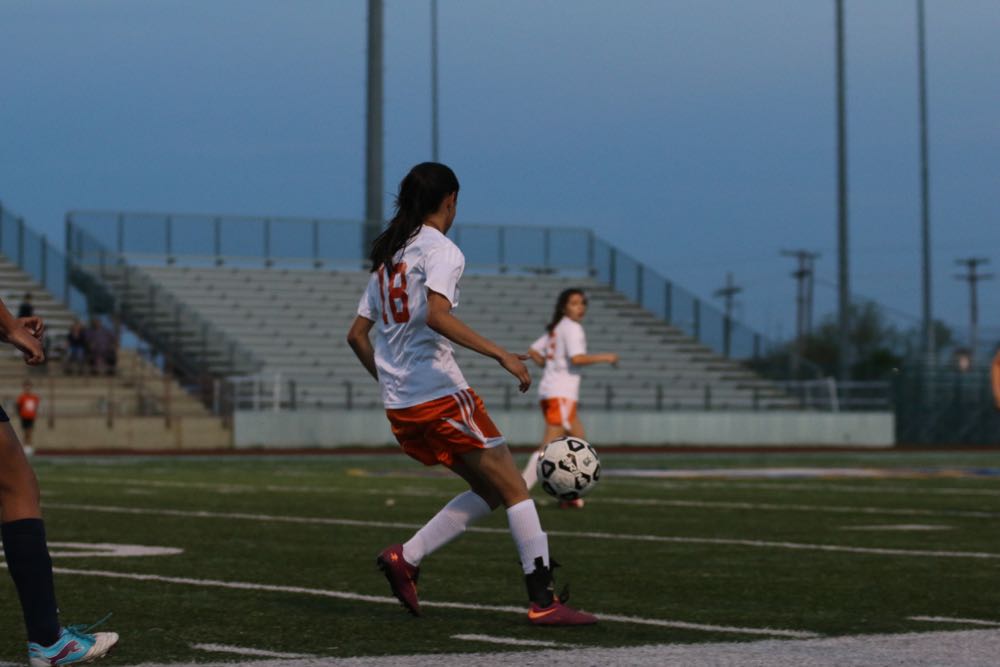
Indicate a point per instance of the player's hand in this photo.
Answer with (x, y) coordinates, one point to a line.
(613, 359)
(514, 364)
(33, 324)
(25, 340)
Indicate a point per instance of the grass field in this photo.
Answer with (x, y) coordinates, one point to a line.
(278, 555)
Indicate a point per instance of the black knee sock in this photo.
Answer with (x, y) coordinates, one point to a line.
(31, 569)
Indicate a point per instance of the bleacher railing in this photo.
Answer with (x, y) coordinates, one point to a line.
(192, 346)
(36, 256)
(157, 238)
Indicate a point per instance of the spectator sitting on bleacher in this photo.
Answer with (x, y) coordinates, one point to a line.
(76, 348)
(102, 348)
(26, 308)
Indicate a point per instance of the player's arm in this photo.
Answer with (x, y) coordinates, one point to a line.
(591, 359)
(995, 377)
(440, 319)
(359, 341)
(536, 357)
(24, 333)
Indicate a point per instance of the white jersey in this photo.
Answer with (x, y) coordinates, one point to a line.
(415, 363)
(561, 378)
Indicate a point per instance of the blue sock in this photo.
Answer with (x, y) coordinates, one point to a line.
(31, 569)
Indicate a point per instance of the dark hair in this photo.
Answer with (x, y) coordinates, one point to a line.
(561, 302)
(420, 194)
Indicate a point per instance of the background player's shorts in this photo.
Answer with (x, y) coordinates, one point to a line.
(559, 411)
(3, 416)
(437, 431)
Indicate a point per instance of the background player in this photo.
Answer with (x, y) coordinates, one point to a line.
(23, 532)
(435, 416)
(562, 350)
(27, 410)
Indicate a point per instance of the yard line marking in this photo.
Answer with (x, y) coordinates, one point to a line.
(104, 550)
(903, 527)
(511, 641)
(241, 650)
(379, 599)
(764, 544)
(707, 504)
(946, 619)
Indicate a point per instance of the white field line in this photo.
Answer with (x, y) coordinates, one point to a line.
(241, 650)
(511, 641)
(946, 619)
(378, 599)
(901, 527)
(426, 493)
(817, 486)
(638, 537)
(966, 648)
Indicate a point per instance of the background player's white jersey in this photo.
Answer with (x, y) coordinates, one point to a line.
(415, 363)
(561, 379)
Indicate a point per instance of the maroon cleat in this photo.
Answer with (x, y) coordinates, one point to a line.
(576, 504)
(558, 613)
(401, 575)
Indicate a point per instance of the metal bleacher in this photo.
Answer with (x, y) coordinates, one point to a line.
(293, 323)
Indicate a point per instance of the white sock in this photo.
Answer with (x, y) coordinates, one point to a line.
(463, 510)
(530, 473)
(526, 530)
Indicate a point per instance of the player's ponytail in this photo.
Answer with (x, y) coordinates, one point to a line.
(420, 194)
(561, 302)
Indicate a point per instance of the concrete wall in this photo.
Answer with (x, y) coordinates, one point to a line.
(370, 428)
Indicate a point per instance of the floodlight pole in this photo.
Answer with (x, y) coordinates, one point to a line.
(435, 137)
(373, 129)
(844, 293)
(930, 345)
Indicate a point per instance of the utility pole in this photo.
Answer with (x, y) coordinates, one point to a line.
(930, 345)
(728, 292)
(373, 129)
(435, 137)
(803, 300)
(973, 277)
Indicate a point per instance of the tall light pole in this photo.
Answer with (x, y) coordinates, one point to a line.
(373, 129)
(843, 286)
(930, 345)
(435, 137)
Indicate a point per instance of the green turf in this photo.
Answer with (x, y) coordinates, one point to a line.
(828, 593)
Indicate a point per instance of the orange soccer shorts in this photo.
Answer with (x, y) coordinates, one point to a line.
(437, 431)
(559, 411)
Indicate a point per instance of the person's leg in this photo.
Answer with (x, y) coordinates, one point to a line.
(23, 535)
(530, 472)
(454, 518)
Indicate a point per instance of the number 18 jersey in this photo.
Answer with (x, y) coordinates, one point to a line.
(415, 363)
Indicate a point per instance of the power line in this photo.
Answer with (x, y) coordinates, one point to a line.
(728, 293)
(803, 300)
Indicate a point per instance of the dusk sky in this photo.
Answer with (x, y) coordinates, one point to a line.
(697, 135)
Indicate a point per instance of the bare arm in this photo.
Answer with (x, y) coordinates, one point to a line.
(358, 339)
(590, 359)
(24, 333)
(536, 357)
(440, 319)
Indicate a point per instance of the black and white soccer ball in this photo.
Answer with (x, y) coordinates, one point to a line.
(569, 468)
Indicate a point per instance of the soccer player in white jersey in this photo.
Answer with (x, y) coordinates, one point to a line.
(436, 417)
(562, 350)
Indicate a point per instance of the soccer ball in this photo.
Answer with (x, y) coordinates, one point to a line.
(569, 468)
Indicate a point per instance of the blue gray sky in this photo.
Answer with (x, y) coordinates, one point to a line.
(698, 136)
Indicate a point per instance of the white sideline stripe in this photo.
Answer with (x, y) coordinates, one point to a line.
(763, 544)
(824, 486)
(241, 650)
(707, 504)
(946, 619)
(379, 599)
(510, 641)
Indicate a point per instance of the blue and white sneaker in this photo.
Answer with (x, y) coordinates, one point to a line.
(74, 646)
